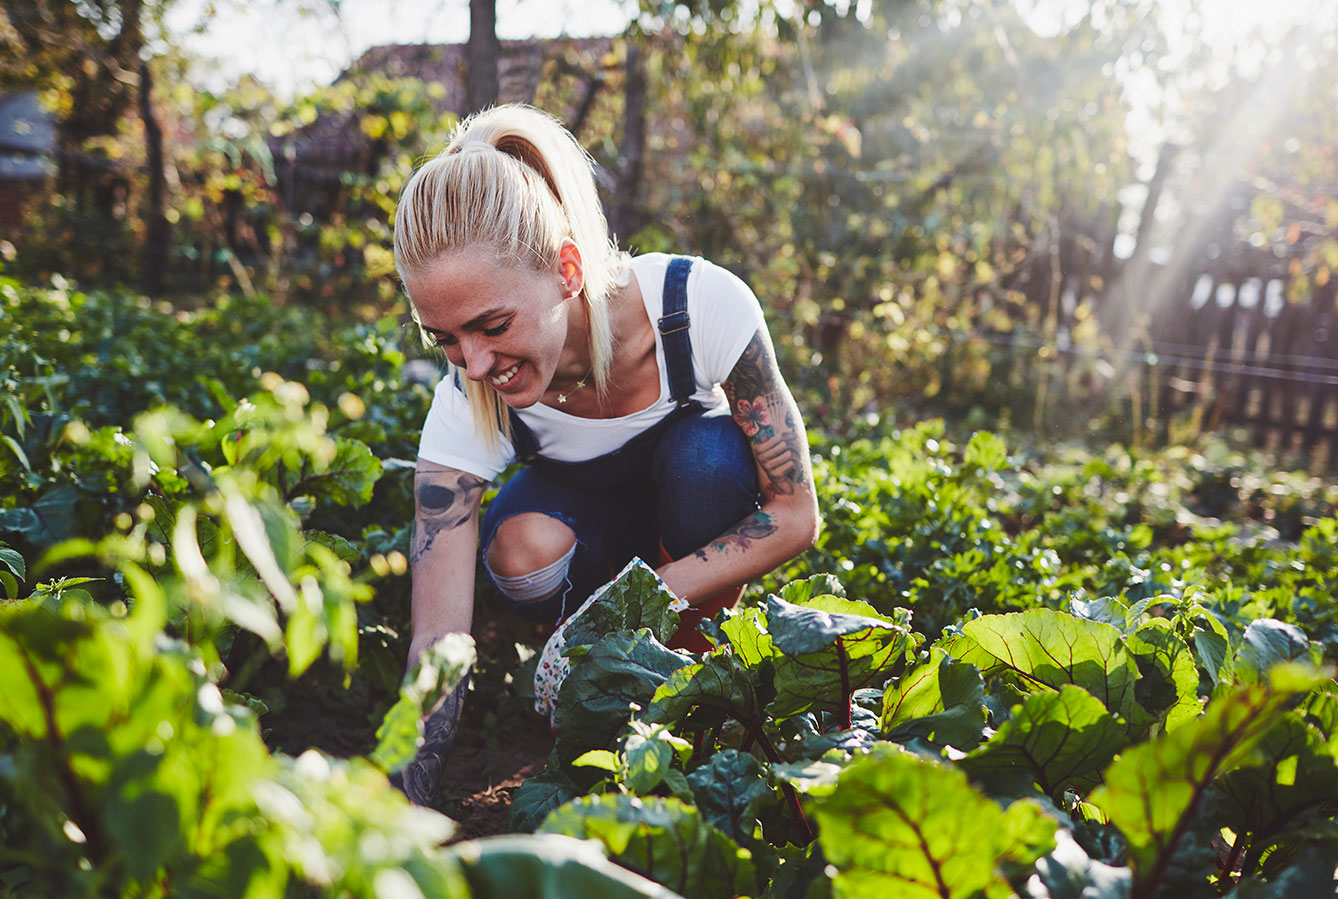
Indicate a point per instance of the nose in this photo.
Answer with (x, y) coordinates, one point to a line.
(478, 361)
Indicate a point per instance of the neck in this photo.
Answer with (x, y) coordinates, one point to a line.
(576, 362)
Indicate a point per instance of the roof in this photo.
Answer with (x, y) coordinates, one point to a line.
(520, 64)
(335, 142)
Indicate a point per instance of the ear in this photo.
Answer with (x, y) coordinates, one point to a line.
(571, 268)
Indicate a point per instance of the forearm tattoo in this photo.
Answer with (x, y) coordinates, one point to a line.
(741, 536)
(764, 410)
(444, 501)
(419, 780)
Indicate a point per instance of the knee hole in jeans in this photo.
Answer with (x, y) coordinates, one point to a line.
(529, 556)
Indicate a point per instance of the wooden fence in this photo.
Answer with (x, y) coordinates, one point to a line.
(1219, 338)
(1234, 350)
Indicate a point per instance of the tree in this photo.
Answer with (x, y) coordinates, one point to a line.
(88, 58)
(482, 54)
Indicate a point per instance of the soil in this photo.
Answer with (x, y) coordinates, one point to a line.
(501, 740)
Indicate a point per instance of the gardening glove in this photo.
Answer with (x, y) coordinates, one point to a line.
(420, 778)
(554, 666)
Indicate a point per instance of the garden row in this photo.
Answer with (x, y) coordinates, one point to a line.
(1085, 674)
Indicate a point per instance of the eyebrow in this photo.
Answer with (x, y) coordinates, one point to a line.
(474, 324)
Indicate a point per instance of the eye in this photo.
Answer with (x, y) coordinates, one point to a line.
(499, 330)
(443, 340)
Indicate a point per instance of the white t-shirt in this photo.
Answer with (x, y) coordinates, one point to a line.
(724, 316)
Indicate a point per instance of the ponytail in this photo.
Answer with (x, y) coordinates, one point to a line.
(514, 179)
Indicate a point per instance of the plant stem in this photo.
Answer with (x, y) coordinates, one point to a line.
(791, 797)
(1234, 856)
(847, 695)
(82, 816)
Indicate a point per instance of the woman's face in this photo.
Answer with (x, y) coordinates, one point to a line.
(501, 323)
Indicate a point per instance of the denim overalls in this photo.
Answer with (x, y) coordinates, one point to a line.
(665, 493)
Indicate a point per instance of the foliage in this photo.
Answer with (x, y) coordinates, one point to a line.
(1095, 672)
(131, 760)
(1076, 721)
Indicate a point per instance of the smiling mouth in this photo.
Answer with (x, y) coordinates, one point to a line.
(505, 377)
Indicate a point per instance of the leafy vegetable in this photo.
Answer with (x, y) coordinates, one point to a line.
(940, 699)
(619, 675)
(662, 839)
(901, 825)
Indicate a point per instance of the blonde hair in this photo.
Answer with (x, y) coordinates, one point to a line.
(513, 179)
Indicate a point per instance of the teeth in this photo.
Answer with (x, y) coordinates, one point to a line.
(506, 376)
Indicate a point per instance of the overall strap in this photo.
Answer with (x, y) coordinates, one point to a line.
(673, 325)
(522, 438)
(674, 331)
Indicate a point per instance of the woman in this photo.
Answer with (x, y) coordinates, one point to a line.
(643, 394)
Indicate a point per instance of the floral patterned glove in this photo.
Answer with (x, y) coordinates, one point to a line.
(553, 666)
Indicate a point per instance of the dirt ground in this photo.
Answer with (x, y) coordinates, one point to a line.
(501, 740)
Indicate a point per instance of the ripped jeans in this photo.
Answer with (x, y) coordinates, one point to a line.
(698, 480)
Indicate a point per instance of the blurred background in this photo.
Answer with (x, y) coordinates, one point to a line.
(1112, 220)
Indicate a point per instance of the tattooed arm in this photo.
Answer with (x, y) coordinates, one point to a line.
(442, 551)
(787, 524)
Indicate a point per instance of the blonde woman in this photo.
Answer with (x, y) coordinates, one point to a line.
(642, 393)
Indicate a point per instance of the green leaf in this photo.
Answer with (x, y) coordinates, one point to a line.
(986, 452)
(439, 670)
(17, 413)
(148, 614)
(337, 544)
(539, 795)
(1294, 785)
(803, 874)
(1169, 681)
(347, 480)
(1268, 642)
(800, 591)
(43, 687)
(818, 622)
(1321, 709)
(305, 632)
(147, 823)
(47, 521)
(650, 751)
(1153, 790)
(662, 839)
(1310, 875)
(817, 778)
(719, 685)
(899, 825)
(728, 790)
(636, 599)
(1213, 650)
(746, 630)
(1042, 649)
(597, 758)
(621, 670)
(13, 560)
(548, 866)
(1212, 642)
(17, 450)
(941, 700)
(827, 653)
(1060, 740)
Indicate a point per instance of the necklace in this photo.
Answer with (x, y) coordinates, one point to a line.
(562, 397)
